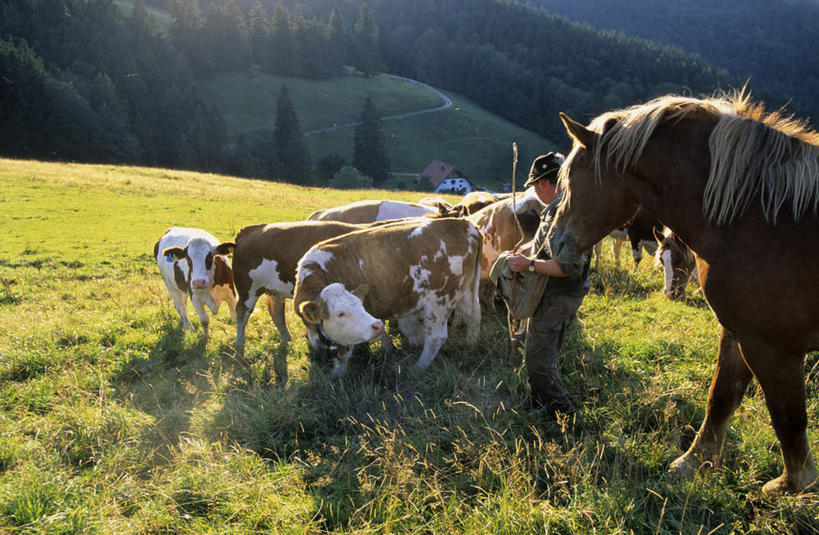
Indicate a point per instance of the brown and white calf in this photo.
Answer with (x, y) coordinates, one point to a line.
(372, 211)
(193, 264)
(416, 272)
(264, 262)
(503, 224)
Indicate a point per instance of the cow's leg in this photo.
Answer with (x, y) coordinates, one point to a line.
(180, 303)
(275, 306)
(435, 333)
(616, 245)
(731, 378)
(341, 359)
(782, 377)
(199, 304)
(468, 308)
(636, 252)
(598, 251)
(244, 307)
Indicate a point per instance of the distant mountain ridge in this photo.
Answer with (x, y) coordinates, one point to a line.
(771, 42)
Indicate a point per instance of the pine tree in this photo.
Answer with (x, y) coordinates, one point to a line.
(281, 42)
(338, 41)
(369, 147)
(291, 151)
(368, 44)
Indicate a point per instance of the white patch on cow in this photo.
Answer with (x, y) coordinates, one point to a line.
(266, 276)
(668, 270)
(361, 264)
(400, 210)
(456, 265)
(420, 276)
(348, 322)
(420, 229)
(315, 256)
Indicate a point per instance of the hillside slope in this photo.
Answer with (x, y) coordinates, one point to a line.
(465, 135)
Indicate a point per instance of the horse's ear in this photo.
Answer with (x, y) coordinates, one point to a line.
(577, 131)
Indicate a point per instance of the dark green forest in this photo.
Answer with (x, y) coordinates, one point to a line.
(81, 81)
(774, 43)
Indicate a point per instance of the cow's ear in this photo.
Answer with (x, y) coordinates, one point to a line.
(313, 311)
(175, 252)
(362, 291)
(225, 248)
(577, 131)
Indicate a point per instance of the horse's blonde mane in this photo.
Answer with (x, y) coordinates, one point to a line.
(752, 152)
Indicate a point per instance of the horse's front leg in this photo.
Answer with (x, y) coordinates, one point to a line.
(782, 377)
(731, 378)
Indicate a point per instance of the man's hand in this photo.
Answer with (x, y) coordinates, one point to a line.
(518, 262)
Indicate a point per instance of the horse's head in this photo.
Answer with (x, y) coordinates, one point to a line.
(677, 262)
(596, 197)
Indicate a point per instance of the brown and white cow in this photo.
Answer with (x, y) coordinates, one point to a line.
(471, 203)
(372, 211)
(502, 226)
(264, 262)
(416, 272)
(193, 264)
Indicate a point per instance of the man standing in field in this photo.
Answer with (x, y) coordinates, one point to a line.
(567, 286)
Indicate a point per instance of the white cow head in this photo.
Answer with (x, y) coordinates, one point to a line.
(199, 253)
(341, 315)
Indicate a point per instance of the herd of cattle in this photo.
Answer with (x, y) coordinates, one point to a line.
(350, 268)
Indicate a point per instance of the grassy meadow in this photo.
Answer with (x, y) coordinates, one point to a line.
(465, 135)
(114, 420)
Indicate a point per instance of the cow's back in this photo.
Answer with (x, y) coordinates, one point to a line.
(370, 211)
(398, 261)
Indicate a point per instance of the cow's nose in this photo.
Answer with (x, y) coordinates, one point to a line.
(199, 283)
(378, 327)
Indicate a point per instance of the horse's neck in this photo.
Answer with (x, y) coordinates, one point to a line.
(670, 178)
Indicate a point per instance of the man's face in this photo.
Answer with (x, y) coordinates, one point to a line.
(545, 190)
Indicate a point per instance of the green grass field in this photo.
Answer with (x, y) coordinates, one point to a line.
(475, 141)
(113, 420)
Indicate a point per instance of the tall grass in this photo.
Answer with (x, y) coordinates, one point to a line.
(114, 420)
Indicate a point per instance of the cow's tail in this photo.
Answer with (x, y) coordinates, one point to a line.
(471, 308)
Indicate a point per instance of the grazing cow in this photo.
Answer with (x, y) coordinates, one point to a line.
(501, 230)
(264, 262)
(642, 231)
(372, 211)
(193, 264)
(678, 263)
(415, 272)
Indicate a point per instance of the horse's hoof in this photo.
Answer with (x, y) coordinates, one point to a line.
(683, 467)
(777, 487)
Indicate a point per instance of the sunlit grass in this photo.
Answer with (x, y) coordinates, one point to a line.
(113, 420)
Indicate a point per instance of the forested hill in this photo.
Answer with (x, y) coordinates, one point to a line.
(99, 80)
(774, 42)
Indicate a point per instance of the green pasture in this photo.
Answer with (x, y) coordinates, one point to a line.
(113, 420)
(477, 142)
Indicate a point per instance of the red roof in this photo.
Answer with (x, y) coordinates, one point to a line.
(438, 171)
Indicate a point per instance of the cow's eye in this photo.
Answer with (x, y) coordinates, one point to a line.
(341, 314)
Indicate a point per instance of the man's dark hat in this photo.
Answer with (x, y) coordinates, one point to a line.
(544, 166)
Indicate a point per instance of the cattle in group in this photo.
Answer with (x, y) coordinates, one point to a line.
(440, 204)
(678, 264)
(642, 231)
(193, 264)
(372, 211)
(504, 224)
(415, 272)
(264, 262)
(471, 203)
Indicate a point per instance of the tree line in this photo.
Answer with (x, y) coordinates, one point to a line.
(81, 81)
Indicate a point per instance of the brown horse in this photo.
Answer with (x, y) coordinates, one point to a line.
(677, 262)
(741, 188)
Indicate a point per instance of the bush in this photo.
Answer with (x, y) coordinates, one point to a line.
(350, 178)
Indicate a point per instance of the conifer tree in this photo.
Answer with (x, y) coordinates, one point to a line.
(338, 41)
(369, 147)
(291, 151)
(281, 41)
(368, 43)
